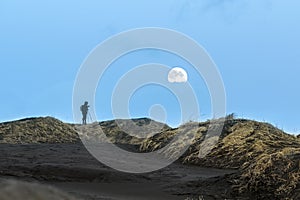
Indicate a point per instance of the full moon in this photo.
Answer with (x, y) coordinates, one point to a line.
(177, 75)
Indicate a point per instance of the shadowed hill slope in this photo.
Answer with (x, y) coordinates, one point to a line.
(123, 131)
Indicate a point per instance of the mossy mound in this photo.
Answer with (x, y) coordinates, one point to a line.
(37, 130)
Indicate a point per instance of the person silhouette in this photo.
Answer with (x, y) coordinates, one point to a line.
(84, 110)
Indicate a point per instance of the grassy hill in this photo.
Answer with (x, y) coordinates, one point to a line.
(267, 158)
(37, 130)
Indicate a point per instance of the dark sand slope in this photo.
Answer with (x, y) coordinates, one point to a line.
(259, 161)
(71, 168)
(49, 151)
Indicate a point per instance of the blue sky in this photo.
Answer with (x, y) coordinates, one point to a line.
(255, 45)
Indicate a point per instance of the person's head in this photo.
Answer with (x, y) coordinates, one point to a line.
(86, 103)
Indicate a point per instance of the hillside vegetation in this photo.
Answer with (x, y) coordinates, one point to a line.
(37, 130)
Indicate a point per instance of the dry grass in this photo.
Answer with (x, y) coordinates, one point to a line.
(276, 174)
(178, 140)
(245, 142)
(267, 157)
(37, 130)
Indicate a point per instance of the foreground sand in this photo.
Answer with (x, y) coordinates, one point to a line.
(70, 168)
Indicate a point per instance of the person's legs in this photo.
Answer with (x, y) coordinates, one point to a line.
(84, 118)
